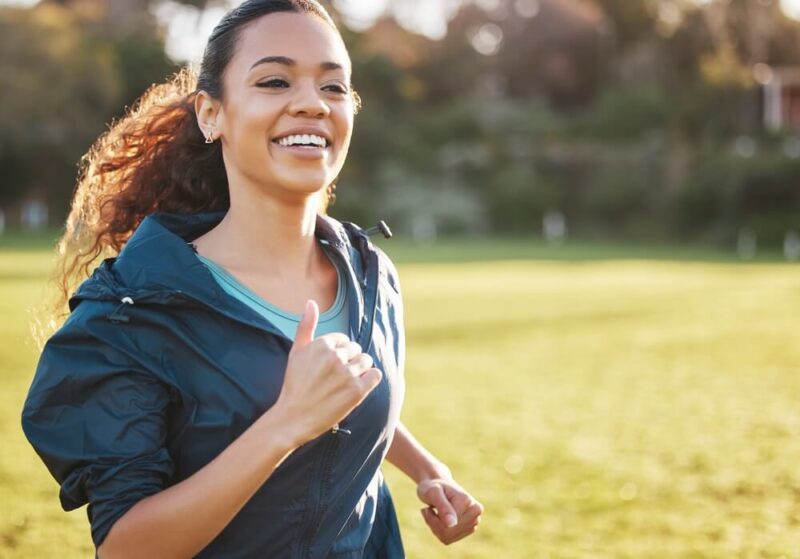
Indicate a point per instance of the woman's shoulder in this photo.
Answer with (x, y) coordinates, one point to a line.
(99, 337)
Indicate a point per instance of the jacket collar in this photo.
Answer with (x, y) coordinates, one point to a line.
(158, 265)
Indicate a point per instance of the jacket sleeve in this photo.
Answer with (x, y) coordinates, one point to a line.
(98, 423)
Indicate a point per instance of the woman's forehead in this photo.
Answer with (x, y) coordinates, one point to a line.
(304, 39)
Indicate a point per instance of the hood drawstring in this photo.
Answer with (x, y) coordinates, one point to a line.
(380, 227)
(116, 316)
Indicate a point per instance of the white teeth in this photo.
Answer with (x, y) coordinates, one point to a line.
(296, 139)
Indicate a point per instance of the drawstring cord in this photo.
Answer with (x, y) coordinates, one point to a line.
(116, 316)
(380, 227)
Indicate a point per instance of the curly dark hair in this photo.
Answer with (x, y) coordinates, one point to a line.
(155, 159)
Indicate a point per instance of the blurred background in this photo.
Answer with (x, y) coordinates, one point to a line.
(667, 120)
(596, 207)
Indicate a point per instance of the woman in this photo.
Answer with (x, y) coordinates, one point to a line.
(195, 397)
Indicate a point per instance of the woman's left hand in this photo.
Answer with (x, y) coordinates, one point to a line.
(452, 513)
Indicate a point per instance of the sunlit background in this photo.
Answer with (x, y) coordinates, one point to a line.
(650, 120)
(596, 208)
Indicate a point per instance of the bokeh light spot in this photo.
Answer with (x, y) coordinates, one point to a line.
(527, 8)
(514, 464)
(487, 39)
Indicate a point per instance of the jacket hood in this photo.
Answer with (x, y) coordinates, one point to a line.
(158, 265)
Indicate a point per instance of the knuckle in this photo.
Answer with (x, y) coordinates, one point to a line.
(341, 354)
(341, 339)
(358, 365)
(327, 341)
(354, 370)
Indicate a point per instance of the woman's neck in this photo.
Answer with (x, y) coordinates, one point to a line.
(267, 236)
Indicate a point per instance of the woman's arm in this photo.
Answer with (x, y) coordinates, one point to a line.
(184, 518)
(413, 459)
(452, 513)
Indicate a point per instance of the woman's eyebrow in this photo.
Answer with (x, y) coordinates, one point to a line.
(286, 61)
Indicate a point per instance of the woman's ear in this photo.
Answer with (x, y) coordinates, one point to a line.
(207, 111)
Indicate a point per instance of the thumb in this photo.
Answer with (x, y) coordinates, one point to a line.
(436, 498)
(307, 326)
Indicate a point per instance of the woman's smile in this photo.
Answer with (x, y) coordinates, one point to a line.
(305, 143)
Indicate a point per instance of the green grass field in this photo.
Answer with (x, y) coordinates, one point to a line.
(622, 408)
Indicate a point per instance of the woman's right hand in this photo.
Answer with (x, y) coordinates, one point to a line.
(325, 379)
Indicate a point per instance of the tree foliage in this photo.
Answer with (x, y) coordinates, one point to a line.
(628, 116)
(69, 77)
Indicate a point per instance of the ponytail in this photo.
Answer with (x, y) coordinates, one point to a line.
(153, 159)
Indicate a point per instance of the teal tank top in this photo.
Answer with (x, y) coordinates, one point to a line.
(334, 319)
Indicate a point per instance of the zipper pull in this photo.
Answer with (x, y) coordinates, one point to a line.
(336, 429)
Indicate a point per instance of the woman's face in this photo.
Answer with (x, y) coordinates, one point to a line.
(287, 113)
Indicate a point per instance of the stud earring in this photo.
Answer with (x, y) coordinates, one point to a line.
(209, 137)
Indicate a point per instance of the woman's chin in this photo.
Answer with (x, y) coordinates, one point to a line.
(307, 185)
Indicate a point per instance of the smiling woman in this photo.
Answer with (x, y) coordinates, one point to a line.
(196, 397)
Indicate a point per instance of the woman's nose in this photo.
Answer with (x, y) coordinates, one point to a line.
(308, 101)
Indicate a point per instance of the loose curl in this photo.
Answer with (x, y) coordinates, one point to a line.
(155, 159)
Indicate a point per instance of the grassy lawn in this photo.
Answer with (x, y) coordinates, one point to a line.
(609, 404)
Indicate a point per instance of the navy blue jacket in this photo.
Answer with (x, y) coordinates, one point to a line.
(157, 370)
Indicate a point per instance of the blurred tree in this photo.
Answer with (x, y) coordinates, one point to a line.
(549, 48)
(71, 75)
(631, 21)
(62, 94)
(620, 114)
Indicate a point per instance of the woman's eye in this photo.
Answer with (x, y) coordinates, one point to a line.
(336, 88)
(276, 82)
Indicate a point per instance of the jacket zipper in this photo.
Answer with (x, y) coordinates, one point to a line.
(307, 534)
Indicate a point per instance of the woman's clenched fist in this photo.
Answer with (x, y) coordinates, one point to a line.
(325, 379)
